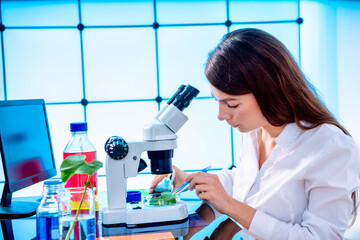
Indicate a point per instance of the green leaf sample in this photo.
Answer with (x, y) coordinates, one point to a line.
(163, 199)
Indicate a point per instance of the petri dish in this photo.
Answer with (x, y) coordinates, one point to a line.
(161, 199)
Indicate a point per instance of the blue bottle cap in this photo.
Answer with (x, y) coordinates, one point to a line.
(53, 182)
(78, 127)
(133, 196)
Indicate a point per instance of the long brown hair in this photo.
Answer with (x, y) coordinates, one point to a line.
(253, 61)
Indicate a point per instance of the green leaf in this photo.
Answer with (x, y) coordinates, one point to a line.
(76, 164)
(162, 199)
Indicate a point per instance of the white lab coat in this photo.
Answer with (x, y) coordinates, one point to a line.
(303, 190)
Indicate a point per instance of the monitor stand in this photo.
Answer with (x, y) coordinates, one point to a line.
(7, 229)
(15, 209)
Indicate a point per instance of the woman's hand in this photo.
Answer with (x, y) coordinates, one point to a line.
(156, 180)
(208, 187)
(226, 230)
(178, 180)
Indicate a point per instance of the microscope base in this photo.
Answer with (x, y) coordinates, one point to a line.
(146, 216)
(177, 230)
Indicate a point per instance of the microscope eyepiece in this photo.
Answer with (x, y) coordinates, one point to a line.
(180, 89)
(183, 99)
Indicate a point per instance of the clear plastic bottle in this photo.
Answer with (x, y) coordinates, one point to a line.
(47, 221)
(80, 144)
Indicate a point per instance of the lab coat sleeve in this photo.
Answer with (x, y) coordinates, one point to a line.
(226, 178)
(329, 182)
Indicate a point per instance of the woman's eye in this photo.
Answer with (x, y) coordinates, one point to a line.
(232, 106)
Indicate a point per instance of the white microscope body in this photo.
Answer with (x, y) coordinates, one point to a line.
(123, 161)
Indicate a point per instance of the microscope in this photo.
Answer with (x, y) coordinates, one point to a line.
(123, 161)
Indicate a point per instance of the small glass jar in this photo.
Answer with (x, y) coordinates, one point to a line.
(47, 222)
(75, 202)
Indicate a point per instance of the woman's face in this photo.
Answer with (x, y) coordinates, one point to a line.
(239, 111)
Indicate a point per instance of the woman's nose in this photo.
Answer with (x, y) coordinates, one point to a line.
(223, 115)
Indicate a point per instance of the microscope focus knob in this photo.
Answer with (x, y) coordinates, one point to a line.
(116, 147)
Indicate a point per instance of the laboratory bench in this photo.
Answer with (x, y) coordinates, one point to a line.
(25, 228)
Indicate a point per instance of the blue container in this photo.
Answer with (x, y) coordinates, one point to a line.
(47, 214)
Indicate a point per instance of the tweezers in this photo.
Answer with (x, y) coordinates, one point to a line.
(185, 186)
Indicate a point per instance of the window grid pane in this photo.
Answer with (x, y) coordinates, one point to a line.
(60, 116)
(114, 12)
(182, 56)
(40, 13)
(120, 63)
(43, 63)
(253, 11)
(180, 12)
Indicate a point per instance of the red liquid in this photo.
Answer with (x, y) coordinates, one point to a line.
(78, 180)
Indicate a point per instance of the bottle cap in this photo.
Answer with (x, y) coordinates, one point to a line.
(53, 182)
(78, 127)
(133, 196)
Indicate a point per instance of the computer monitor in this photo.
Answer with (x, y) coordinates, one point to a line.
(26, 153)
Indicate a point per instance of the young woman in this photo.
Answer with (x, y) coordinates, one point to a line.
(299, 168)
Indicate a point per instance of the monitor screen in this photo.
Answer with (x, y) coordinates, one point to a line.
(25, 145)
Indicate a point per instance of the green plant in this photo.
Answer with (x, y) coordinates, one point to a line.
(75, 164)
